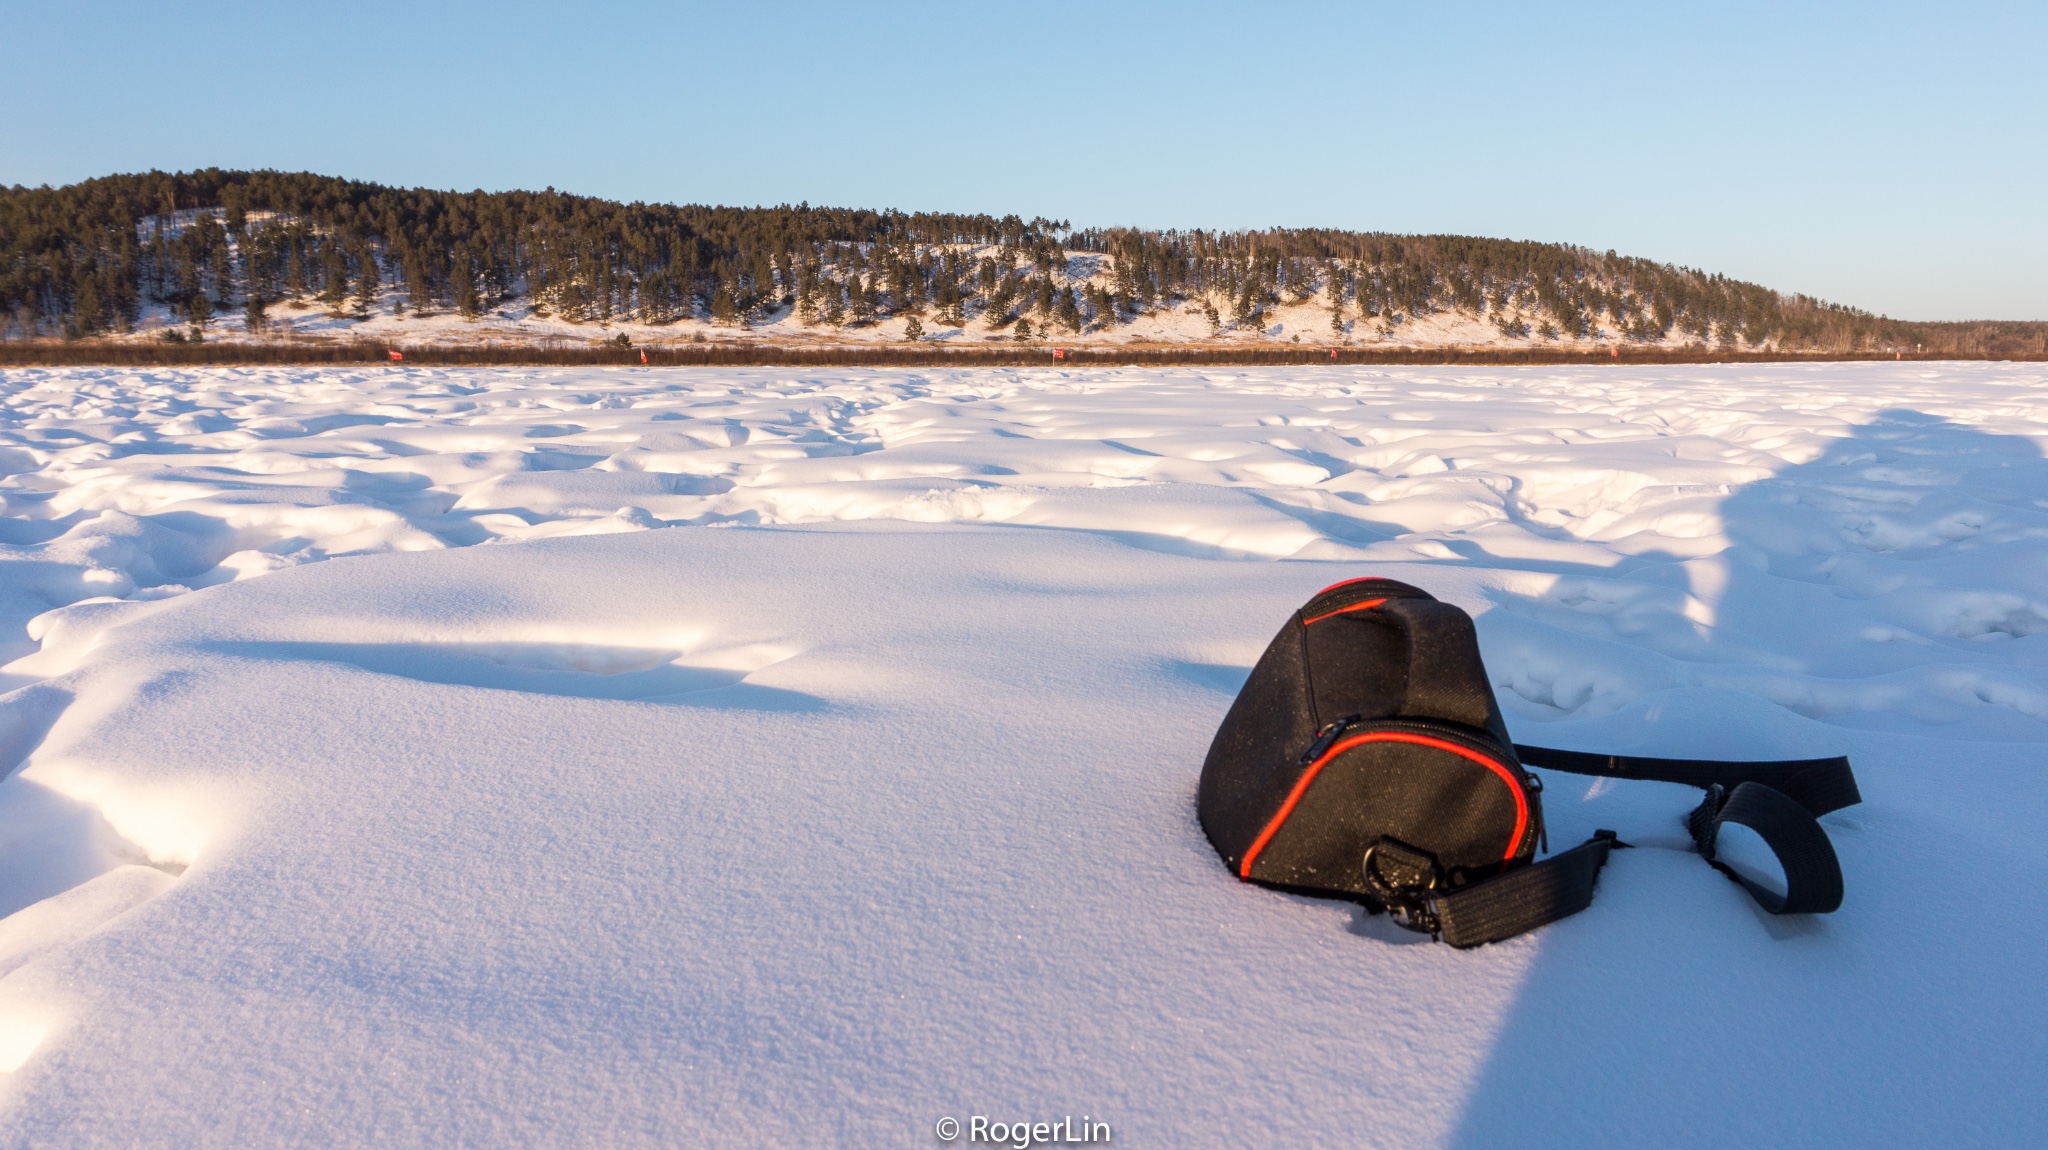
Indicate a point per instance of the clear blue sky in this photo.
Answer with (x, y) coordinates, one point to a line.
(1891, 156)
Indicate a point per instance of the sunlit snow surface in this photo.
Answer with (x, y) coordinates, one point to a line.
(873, 805)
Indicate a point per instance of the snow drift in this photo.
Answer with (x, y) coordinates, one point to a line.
(868, 801)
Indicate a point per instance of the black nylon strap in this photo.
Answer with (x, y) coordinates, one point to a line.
(1780, 800)
(1813, 875)
(1819, 785)
(1524, 898)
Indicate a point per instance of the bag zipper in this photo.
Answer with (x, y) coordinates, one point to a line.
(1325, 738)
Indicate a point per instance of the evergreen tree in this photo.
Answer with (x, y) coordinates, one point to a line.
(951, 305)
(198, 311)
(222, 266)
(570, 300)
(1247, 310)
(1000, 299)
(1068, 311)
(367, 281)
(462, 284)
(334, 266)
(1023, 331)
(295, 269)
(785, 276)
(912, 330)
(861, 300)
(1103, 305)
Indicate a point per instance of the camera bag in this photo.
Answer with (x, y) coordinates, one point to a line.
(1366, 758)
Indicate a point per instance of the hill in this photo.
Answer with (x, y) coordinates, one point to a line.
(267, 255)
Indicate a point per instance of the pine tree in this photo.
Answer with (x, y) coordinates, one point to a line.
(86, 315)
(862, 301)
(295, 269)
(418, 290)
(1247, 309)
(570, 301)
(950, 305)
(1023, 331)
(999, 301)
(1068, 311)
(1104, 307)
(198, 310)
(912, 330)
(367, 281)
(785, 276)
(462, 282)
(334, 266)
(253, 319)
(223, 269)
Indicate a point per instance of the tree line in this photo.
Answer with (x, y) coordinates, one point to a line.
(86, 259)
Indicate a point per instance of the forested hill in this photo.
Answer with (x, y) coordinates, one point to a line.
(92, 258)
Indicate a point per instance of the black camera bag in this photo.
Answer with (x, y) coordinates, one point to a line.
(1365, 758)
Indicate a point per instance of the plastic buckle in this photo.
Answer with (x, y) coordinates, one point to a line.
(1407, 895)
(1702, 824)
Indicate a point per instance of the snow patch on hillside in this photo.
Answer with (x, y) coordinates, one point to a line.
(1289, 321)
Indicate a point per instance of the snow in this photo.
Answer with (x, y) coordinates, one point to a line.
(389, 776)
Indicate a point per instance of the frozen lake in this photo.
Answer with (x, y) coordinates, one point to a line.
(764, 757)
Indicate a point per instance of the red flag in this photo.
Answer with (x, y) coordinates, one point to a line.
(1615, 352)
(643, 355)
(1333, 353)
(1059, 353)
(396, 355)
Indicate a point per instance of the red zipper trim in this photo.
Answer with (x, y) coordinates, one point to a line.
(1368, 605)
(1244, 869)
(1345, 583)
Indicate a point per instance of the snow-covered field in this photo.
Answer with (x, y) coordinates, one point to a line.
(864, 797)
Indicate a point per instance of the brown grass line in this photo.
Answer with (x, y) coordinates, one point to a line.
(90, 353)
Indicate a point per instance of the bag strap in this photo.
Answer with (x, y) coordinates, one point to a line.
(1780, 800)
(1813, 876)
(1819, 785)
(1524, 898)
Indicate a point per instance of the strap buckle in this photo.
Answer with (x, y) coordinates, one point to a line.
(1404, 879)
(1703, 824)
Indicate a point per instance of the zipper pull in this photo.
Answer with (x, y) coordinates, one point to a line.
(1325, 739)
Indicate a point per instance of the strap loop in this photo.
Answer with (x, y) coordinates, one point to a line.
(1781, 800)
(1813, 875)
